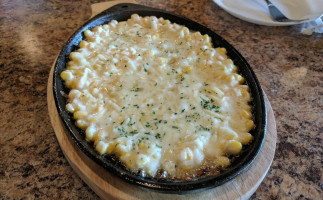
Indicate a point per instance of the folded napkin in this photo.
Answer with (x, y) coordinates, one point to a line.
(303, 9)
(300, 9)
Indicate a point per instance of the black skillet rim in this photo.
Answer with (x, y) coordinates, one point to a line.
(122, 12)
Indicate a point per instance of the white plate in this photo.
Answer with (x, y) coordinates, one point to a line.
(254, 11)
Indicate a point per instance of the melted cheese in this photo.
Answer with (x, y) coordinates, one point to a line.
(158, 96)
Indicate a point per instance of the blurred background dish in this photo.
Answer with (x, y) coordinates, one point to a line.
(256, 11)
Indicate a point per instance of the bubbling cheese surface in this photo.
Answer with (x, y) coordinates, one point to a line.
(158, 96)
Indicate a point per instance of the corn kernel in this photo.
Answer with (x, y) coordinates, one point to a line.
(186, 31)
(166, 22)
(233, 147)
(191, 52)
(79, 114)
(206, 38)
(124, 156)
(135, 17)
(230, 78)
(92, 119)
(97, 28)
(98, 108)
(147, 37)
(187, 69)
(89, 132)
(234, 69)
(97, 136)
(74, 55)
(70, 108)
(130, 164)
(142, 146)
(222, 50)
(81, 124)
(94, 91)
(245, 94)
(222, 161)
(70, 63)
(74, 94)
(69, 84)
(222, 68)
(224, 77)
(71, 67)
(248, 108)
(208, 44)
(155, 35)
(198, 34)
(96, 66)
(88, 33)
(222, 146)
(245, 138)
(101, 147)
(246, 114)
(66, 75)
(226, 133)
(110, 148)
(162, 60)
(239, 78)
(148, 53)
(113, 23)
(250, 125)
(119, 150)
(83, 44)
(75, 84)
(79, 72)
(187, 37)
(229, 61)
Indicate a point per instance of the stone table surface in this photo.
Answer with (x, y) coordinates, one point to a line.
(289, 66)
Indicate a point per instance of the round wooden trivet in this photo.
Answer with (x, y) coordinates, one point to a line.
(108, 186)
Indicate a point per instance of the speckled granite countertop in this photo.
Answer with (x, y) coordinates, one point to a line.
(289, 66)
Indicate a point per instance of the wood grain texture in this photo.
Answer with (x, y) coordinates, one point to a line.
(107, 186)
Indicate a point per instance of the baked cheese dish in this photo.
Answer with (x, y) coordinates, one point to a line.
(158, 96)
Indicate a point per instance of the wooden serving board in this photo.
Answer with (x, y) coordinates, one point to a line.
(108, 186)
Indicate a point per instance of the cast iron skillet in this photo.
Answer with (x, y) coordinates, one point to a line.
(123, 12)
